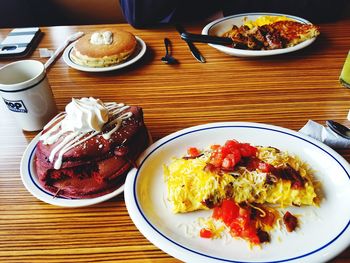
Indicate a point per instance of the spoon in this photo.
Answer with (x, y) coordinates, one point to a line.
(168, 58)
(339, 129)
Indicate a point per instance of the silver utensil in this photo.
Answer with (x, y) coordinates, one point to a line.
(58, 51)
(207, 39)
(195, 52)
(168, 58)
(339, 129)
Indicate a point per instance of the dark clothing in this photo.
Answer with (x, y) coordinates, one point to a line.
(316, 11)
(146, 13)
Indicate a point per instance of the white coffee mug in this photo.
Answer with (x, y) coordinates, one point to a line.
(25, 89)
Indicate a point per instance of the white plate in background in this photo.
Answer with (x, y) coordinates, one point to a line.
(222, 25)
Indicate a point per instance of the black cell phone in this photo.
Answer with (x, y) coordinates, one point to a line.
(19, 42)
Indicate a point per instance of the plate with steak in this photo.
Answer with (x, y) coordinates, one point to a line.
(262, 34)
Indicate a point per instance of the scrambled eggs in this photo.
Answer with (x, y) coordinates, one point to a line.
(264, 20)
(190, 185)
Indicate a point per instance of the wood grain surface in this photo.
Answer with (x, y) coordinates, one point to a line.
(285, 90)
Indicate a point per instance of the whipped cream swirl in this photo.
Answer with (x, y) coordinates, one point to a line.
(85, 115)
(83, 119)
(102, 38)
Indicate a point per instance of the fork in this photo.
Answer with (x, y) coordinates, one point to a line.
(68, 40)
(168, 58)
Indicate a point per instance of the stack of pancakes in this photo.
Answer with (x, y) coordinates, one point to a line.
(87, 53)
(96, 166)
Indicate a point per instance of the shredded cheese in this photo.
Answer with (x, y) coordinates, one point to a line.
(189, 185)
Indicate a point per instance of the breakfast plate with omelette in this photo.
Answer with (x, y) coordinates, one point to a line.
(262, 34)
(241, 192)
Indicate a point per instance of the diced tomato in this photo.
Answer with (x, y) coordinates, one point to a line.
(215, 160)
(231, 143)
(247, 150)
(244, 229)
(224, 151)
(241, 222)
(264, 167)
(206, 233)
(250, 233)
(244, 213)
(236, 228)
(217, 213)
(230, 211)
(215, 147)
(227, 163)
(230, 154)
(193, 152)
(236, 155)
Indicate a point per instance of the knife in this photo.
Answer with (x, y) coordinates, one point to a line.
(207, 39)
(195, 52)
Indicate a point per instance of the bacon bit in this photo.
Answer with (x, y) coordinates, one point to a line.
(192, 157)
(211, 168)
(290, 221)
(209, 202)
(286, 172)
(289, 173)
(229, 190)
(263, 236)
(251, 163)
(271, 179)
(193, 152)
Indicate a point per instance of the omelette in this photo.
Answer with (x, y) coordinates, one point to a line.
(265, 175)
(265, 20)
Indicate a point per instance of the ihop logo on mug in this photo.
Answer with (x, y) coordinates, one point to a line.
(16, 105)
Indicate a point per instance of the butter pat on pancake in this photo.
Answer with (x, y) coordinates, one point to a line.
(104, 48)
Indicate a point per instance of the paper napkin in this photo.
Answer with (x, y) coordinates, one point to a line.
(325, 135)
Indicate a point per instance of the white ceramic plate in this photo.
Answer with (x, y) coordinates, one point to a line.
(324, 231)
(222, 25)
(30, 181)
(138, 53)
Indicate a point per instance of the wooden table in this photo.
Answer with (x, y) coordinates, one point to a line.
(285, 90)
